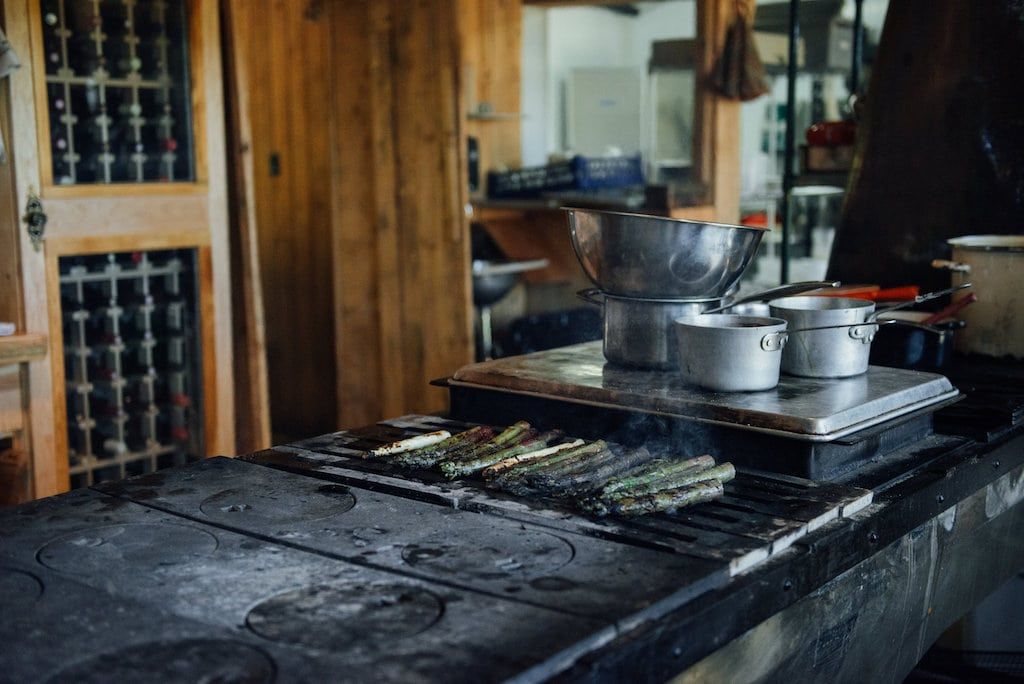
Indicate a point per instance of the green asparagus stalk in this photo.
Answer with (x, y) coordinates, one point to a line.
(573, 466)
(509, 435)
(593, 478)
(529, 442)
(411, 443)
(722, 473)
(541, 465)
(665, 500)
(527, 456)
(425, 458)
(655, 471)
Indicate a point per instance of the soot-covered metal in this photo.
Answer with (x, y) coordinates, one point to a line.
(310, 561)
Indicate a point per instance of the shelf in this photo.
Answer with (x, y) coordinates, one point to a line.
(493, 116)
(22, 348)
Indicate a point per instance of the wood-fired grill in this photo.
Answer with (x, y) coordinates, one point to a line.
(308, 561)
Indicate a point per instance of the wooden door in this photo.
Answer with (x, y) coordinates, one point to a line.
(118, 129)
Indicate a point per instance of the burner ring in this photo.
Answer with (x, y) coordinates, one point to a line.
(262, 504)
(346, 617)
(20, 589)
(528, 554)
(95, 551)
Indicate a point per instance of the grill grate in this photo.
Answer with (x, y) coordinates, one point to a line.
(760, 515)
(994, 399)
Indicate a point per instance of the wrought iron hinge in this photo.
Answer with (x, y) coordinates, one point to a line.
(34, 219)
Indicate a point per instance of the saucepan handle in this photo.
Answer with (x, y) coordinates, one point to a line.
(863, 331)
(928, 296)
(776, 292)
(774, 341)
(956, 266)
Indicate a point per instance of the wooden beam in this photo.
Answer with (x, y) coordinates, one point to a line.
(402, 306)
(361, 162)
(252, 399)
(22, 348)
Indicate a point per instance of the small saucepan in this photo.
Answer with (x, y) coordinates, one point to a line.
(836, 353)
(914, 344)
(638, 332)
(732, 353)
(821, 349)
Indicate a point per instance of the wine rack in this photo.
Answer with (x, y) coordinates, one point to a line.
(117, 85)
(131, 363)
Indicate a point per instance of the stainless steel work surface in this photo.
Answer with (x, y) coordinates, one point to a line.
(801, 408)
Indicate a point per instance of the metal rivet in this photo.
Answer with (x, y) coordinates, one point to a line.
(873, 537)
(677, 651)
(940, 498)
(995, 464)
(787, 585)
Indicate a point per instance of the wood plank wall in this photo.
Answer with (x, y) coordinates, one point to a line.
(490, 38)
(252, 393)
(363, 242)
(401, 268)
(10, 223)
(287, 51)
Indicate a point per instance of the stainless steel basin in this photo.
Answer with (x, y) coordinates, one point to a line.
(633, 255)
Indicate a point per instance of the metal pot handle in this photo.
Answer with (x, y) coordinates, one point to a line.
(592, 295)
(863, 331)
(776, 292)
(918, 299)
(774, 341)
(955, 266)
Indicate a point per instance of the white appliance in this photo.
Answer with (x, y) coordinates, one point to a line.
(603, 110)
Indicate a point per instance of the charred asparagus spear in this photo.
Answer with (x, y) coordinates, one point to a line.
(529, 442)
(425, 458)
(665, 500)
(655, 471)
(513, 460)
(509, 435)
(411, 443)
(553, 461)
(722, 473)
(592, 478)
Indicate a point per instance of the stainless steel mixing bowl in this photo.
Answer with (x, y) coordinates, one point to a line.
(633, 255)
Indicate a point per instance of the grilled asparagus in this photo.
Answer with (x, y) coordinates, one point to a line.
(509, 435)
(427, 457)
(411, 443)
(527, 443)
(527, 456)
(722, 473)
(592, 478)
(553, 461)
(656, 471)
(664, 500)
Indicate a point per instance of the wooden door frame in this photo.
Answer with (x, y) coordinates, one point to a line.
(204, 200)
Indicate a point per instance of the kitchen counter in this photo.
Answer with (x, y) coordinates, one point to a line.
(308, 562)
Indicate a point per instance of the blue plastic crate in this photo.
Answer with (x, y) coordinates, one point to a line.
(602, 173)
(578, 173)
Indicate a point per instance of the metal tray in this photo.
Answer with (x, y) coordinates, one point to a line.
(799, 408)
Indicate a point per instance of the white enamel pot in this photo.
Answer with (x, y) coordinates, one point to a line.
(994, 264)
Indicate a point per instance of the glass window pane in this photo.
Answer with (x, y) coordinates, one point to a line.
(117, 84)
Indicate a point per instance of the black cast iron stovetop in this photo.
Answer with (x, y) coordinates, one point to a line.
(344, 569)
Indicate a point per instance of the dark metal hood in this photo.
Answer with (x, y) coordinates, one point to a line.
(941, 144)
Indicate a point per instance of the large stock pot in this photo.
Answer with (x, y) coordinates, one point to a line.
(994, 264)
